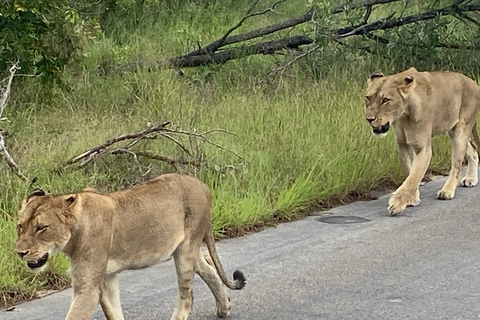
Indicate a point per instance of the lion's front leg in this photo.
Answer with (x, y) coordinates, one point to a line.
(402, 199)
(110, 298)
(85, 299)
(408, 194)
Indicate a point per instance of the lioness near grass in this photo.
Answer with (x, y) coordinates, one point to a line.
(104, 234)
(420, 105)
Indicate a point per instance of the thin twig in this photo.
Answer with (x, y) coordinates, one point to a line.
(204, 138)
(3, 103)
(284, 67)
(351, 6)
(212, 47)
(152, 132)
(6, 91)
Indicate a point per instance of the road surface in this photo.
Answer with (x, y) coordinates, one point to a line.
(422, 265)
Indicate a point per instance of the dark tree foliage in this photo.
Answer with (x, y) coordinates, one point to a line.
(41, 35)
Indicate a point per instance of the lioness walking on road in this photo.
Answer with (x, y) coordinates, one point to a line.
(420, 105)
(104, 234)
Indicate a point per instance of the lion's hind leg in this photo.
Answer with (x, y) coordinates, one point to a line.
(110, 298)
(460, 139)
(471, 176)
(185, 257)
(209, 274)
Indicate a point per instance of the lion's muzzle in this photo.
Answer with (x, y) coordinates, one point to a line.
(382, 129)
(38, 263)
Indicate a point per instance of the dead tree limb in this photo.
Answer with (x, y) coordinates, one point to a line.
(3, 103)
(220, 57)
(255, 33)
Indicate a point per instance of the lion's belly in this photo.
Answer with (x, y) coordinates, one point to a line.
(138, 261)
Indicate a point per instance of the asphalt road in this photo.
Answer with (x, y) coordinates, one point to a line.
(422, 265)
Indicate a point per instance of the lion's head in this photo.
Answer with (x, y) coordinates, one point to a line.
(386, 99)
(44, 226)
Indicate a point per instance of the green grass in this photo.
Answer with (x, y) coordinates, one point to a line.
(302, 136)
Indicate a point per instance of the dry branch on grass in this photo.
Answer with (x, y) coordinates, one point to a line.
(113, 147)
(3, 103)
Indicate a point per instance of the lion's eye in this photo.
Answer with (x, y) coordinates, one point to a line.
(41, 229)
(385, 100)
(19, 227)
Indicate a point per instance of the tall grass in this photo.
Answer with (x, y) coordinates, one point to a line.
(302, 137)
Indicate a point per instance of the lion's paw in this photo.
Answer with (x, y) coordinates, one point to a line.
(400, 200)
(468, 182)
(223, 311)
(445, 194)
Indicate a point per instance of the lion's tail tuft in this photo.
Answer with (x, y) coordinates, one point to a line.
(240, 280)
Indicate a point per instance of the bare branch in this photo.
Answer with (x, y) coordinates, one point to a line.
(388, 22)
(468, 18)
(352, 6)
(8, 158)
(220, 57)
(152, 132)
(212, 47)
(259, 32)
(206, 139)
(281, 69)
(95, 151)
(6, 91)
(3, 103)
(368, 12)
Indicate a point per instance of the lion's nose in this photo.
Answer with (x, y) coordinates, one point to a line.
(370, 120)
(21, 254)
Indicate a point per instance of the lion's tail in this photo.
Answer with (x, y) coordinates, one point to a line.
(239, 280)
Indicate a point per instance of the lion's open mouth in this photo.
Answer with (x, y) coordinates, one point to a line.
(39, 263)
(382, 129)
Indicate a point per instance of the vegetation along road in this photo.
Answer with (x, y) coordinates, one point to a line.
(421, 265)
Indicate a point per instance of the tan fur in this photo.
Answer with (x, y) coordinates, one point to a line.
(420, 105)
(104, 234)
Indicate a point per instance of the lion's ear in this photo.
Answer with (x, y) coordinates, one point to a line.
(408, 84)
(37, 192)
(375, 75)
(73, 207)
(408, 81)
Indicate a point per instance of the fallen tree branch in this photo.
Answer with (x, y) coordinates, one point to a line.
(152, 132)
(255, 33)
(89, 154)
(221, 57)
(3, 103)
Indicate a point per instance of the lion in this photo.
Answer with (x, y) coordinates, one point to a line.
(420, 105)
(104, 234)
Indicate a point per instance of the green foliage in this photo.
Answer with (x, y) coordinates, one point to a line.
(43, 35)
